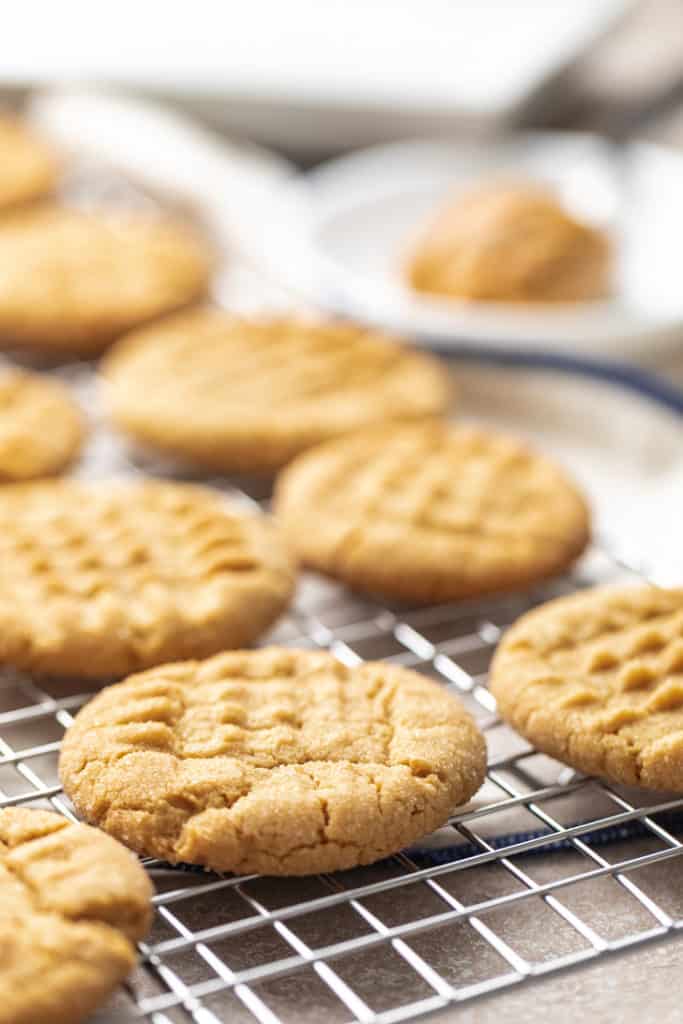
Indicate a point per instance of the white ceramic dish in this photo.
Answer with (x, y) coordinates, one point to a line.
(365, 209)
(624, 449)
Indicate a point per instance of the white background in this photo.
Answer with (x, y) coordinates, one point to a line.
(480, 55)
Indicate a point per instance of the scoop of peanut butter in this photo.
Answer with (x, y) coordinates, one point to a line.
(510, 243)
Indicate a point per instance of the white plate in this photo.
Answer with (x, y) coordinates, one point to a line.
(366, 208)
(624, 449)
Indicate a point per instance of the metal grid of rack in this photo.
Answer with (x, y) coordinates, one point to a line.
(505, 893)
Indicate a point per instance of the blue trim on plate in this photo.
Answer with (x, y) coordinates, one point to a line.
(628, 376)
(632, 378)
(670, 820)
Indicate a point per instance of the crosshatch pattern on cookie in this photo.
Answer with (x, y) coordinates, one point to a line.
(106, 578)
(40, 426)
(464, 509)
(248, 965)
(262, 390)
(73, 280)
(72, 903)
(279, 761)
(597, 680)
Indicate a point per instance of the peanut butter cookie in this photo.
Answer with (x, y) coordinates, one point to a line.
(254, 393)
(41, 428)
(102, 579)
(511, 243)
(28, 167)
(596, 680)
(72, 904)
(279, 761)
(72, 281)
(431, 512)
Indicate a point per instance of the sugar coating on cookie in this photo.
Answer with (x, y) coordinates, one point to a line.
(101, 579)
(596, 680)
(431, 512)
(28, 166)
(41, 427)
(254, 393)
(72, 904)
(73, 280)
(511, 242)
(277, 761)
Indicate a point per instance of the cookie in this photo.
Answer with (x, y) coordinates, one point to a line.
(102, 579)
(41, 428)
(431, 512)
(72, 904)
(277, 761)
(254, 393)
(596, 680)
(72, 281)
(28, 167)
(511, 242)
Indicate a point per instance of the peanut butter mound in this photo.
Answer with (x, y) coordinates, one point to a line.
(505, 242)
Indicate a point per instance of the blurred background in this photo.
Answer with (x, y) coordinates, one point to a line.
(312, 77)
(337, 127)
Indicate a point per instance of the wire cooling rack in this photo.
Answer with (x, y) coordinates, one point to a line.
(544, 871)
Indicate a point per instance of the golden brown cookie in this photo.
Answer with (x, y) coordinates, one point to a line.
(513, 243)
(28, 167)
(72, 904)
(103, 579)
(72, 281)
(279, 761)
(41, 428)
(431, 512)
(254, 393)
(596, 680)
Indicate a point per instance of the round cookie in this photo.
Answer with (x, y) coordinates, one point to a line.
(102, 579)
(72, 281)
(257, 392)
(41, 428)
(511, 242)
(596, 680)
(72, 903)
(28, 168)
(277, 761)
(431, 512)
